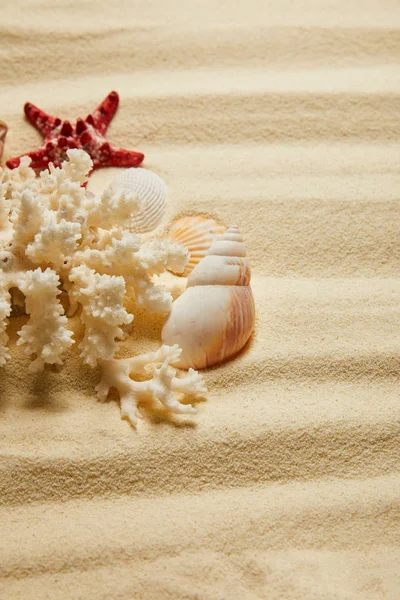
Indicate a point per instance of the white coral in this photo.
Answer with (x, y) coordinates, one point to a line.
(113, 208)
(46, 334)
(22, 174)
(55, 242)
(153, 258)
(138, 264)
(163, 387)
(27, 218)
(54, 235)
(77, 167)
(101, 297)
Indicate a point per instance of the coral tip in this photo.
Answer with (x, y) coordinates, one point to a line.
(87, 134)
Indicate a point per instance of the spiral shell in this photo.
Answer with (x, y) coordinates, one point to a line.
(214, 317)
(151, 189)
(3, 133)
(196, 234)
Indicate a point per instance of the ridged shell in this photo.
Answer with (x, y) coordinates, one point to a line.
(3, 133)
(214, 317)
(152, 191)
(196, 234)
(225, 262)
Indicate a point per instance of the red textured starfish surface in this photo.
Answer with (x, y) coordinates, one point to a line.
(86, 134)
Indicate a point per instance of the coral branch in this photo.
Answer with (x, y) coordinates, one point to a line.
(55, 242)
(137, 263)
(103, 313)
(113, 208)
(153, 258)
(22, 175)
(77, 167)
(27, 219)
(116, 374)
(46, 333)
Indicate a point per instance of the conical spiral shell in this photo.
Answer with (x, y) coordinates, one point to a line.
(225, 262)
(3, 133)
(196, 234)
(151, 189)
(214, 317)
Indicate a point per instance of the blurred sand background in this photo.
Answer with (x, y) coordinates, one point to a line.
(283, 118)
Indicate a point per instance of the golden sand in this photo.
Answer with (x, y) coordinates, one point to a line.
(284, 121)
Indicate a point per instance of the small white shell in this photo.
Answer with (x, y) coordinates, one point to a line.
(214, 318)
(3, 133)
(196, 234)
(151, 189)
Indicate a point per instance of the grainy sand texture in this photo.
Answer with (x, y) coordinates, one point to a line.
(283, 118)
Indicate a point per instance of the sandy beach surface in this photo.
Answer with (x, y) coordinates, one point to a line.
(281, 118)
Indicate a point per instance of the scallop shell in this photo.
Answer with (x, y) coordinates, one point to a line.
(196, 235)
(3, 133)
(214, 318)
(152, 191)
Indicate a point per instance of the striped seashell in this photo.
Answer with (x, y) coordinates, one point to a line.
(196, 235)
(214, 318)
(151, 189)
(3, 133)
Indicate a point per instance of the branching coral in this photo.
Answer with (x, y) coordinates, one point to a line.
(46, 334)
(163, 386)
(101, 297)
(54, 235)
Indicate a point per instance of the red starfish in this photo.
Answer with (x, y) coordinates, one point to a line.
(87, 134)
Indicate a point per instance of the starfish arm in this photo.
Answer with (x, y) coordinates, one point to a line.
(42, 121)
(112, 156)
(102, 116)
(13, 163)
(39, 158)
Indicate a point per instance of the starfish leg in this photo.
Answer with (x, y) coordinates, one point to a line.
(39, 158)
(112, 156)
(102, 116)
(42, 121)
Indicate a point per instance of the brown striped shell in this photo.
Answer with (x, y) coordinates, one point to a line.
(214, 317)
(3, 133)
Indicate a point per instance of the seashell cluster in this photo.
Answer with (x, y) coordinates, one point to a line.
(3, 133)
(196, 234)
(151, 191)
(214, 317)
